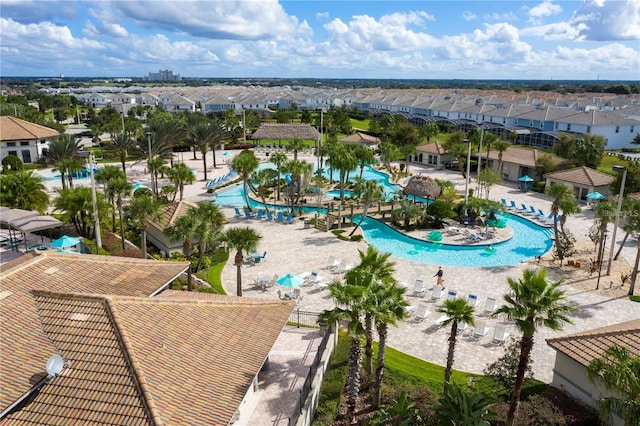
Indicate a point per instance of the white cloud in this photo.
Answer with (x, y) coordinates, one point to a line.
(609, 20)
(469, 16)
(557, 31)
(322, 16)
(542, 10)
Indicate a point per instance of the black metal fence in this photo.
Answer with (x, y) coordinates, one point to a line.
(306, 387)
(303, 318)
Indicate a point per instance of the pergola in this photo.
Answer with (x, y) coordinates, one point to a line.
(286, 131)
(26, 221)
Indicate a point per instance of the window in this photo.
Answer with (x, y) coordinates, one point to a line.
(24, 143)
(26, 156)
(617, 129)
(588, 129)
(13, 153)
(11, 144)
(569, 127)
(631, 129)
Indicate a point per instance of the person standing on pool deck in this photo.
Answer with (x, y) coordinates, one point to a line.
(439, 274)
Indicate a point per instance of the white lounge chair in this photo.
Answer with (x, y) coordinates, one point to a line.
(438, 321)
(481, 329)
(490, 306)
(500, 334)
(422, 312)
(342, 267)
(437, 293)
(332, 262)
(472, 299)
(452, 294)
(418, 287)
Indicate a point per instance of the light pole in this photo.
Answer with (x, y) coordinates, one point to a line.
(604, 244)
(149, 158)
(615, 226)
(466, 180)
(634, 271)
(94, 200)
(480, 158)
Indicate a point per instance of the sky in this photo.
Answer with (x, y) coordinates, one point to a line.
(540, 40)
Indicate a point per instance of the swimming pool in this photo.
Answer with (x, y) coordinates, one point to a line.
(529, 239)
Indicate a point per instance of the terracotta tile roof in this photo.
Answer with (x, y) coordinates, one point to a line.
(14, 129)
(285, 131)
(432, 148)
(523, 156)
(585, 346)
(24, 347)
(583, 176)
(361, 138)
(634, 196)
(152, 360)
(170, 212)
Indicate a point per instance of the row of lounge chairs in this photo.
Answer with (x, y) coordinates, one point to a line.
(265, 215)
(538, 214)
(220, 180)
(337, 266)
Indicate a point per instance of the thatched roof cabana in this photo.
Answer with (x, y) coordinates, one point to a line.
(286, 131)
(422, 186)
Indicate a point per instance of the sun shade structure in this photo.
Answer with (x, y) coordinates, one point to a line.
(65, 241)
(286, 131)
(525, 178)
(36, 223)
(290, 280)
(422, 186)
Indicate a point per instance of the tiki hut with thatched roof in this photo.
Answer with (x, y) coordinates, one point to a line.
(422, 186)
(286, 131)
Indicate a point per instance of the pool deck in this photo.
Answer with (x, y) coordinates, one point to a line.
(292, 248)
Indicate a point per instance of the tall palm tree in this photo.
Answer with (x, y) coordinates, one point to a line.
(405, 137)
(632, 221)
(116, 190)
(185, 228)
(369, 191)
(155, 166)
(349, 297)
(377, 265)
(139, 211)
(364, 155)
(61, 153)
(605, 213)
(207, 134)
(244, 164)
(391, 310)
(295, 145)
(534, 302)
(561, 194)
(180, 175)
(122, 146)
(619, 371)
(242, 240)
(262, 181)
(458, 311)
(211, 220)
(23, 189)
(108, 172)
(501, 147)
(300, 174)
(278, 159)
(344, 161)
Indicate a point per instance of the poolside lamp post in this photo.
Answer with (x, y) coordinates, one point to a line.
(604, 244)
(466, 180)
(617, 221)
(94, 201)
(634, 271)
(149, 154)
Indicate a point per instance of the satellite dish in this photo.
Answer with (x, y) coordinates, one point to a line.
(55, 364)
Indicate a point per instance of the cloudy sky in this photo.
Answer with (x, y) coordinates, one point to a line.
(542, 40)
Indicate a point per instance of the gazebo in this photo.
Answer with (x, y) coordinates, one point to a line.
(422, 186)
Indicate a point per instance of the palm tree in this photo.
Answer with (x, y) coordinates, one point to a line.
(605, 214)
(501, 147)
(369, 191)
(23, 189)
(244, 164)
(180, 175)
(619, 371)
(207, 134)
(405, 137)
(61, 153)
(458, 311)
(210, 222)
(77, 207)
(364, 155)
(185, 228)
(344, 161)
(300, 173)
(296, 145)
(561, 194)
(349, 296)
(390, 310)
(116, 190)
(155, 166)
(242, 240)
(261, 182)
(534, 302)
(122, 146)
(140, 210)
(108, 172)
(278, 159)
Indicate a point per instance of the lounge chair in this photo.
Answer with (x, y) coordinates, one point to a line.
(549, 219)
(269, 216)
(504, 202)
(500, 334)
(418, 287)
(249, 214)
(280, 217)
(540, 215)
(481, 329)
(490, 306)
(452, 294)
(438, 321)
(512, 205)
(332, 262)
(260, 214)
(289, 219)
(238, 212)
(472, 299)
(342, 267)
(523, 208)
(532, 211)
(422, 312)
(437, 293)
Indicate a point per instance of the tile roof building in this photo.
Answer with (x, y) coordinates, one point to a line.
(23, 139)
(583, 180)
(575, 352)
(179, 358)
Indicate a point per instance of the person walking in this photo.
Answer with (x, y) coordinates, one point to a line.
(439, 274)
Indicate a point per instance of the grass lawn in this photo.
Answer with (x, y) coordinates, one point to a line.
(359, 124)
(608, 161)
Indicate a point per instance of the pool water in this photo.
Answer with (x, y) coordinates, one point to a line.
(529, 239)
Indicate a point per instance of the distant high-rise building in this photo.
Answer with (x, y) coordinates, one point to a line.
(164, 75)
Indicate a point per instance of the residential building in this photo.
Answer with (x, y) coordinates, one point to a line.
(25, 140)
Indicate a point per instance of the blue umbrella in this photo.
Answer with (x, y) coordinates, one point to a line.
(65, 241)
(290, 280)
(595, 196)
(139, 186)
(525, 178)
